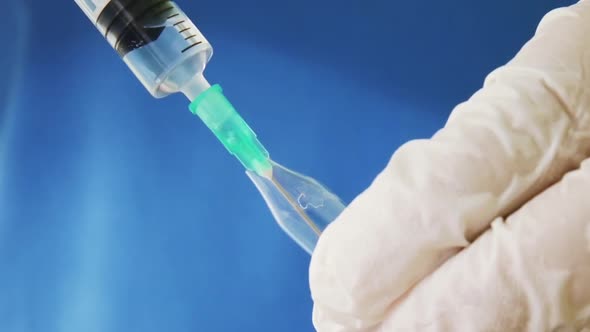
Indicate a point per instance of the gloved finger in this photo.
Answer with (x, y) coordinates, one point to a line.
(519, 134)
(531, 273)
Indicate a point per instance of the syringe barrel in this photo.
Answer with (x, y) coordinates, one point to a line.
(156, 39)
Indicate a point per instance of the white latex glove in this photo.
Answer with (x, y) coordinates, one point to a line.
(379, 267)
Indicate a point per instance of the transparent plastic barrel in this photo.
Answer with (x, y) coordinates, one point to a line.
(156, 39)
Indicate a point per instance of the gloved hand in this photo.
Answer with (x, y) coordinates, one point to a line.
(408, 254)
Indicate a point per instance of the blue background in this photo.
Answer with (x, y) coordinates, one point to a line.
(119, 212)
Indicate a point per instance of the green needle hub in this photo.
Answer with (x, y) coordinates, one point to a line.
(223, 120)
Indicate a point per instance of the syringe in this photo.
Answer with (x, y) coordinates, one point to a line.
(168, 54)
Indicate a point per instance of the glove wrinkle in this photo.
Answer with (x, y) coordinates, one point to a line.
(516, 277)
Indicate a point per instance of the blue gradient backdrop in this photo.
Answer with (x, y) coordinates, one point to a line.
(122, 213)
